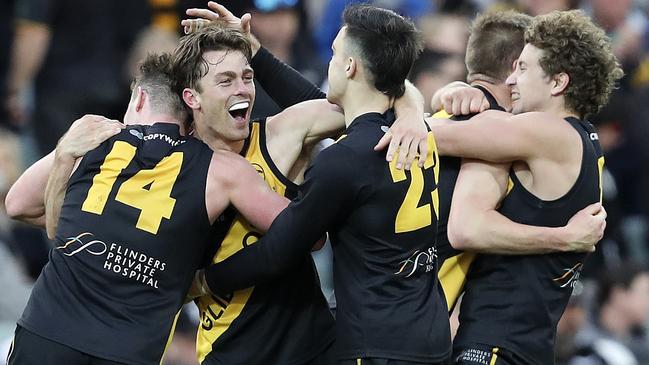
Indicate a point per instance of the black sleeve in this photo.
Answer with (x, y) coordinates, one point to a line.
(325, 197)
(284, 84)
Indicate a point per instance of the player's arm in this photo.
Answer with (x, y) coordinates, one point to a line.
(459, 98)
(311, 121)
(475, 225)
(497, 136)
(25, 200)
(324, 198)
(235, 179)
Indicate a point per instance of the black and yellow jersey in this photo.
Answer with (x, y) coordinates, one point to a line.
(515, 302)
(284, 322)
(382, 223)
(454, 264)
(133, 230)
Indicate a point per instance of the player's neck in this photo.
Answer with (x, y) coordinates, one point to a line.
(218, 143)
(558, 107)
(151, 119)
(361, 100)
(500, 91)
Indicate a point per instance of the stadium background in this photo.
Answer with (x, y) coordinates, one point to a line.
(85, 67)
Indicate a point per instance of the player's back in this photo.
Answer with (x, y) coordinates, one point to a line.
(133, 229)
(385, 258)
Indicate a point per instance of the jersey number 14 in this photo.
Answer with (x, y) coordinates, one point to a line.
(148, 190)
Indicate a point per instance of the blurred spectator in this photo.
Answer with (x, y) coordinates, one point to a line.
(445, 33)
(331, 18)
(540, 7)
(616, 334)
(6, 36)
(432, 70)
(531, 7)
(571, 322)
(73, 51)
(620, 126)
(626, 24)
(281, 27)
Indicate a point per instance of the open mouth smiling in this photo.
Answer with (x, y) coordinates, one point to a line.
(239, 110)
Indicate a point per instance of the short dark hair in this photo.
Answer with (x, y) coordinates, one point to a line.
(190, 65)
(573, 44)
(155, 76)
(495, 42)
(386, 42)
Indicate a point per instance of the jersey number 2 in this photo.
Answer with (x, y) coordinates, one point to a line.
(148, 190)
(410, 216)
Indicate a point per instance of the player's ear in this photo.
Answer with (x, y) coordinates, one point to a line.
(350, 70)
(191, 98)
(140, 97)
(560, 83)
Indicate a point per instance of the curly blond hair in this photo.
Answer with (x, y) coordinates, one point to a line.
(573, 44)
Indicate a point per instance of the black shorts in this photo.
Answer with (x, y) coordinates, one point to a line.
(484, 355)
(29, 348)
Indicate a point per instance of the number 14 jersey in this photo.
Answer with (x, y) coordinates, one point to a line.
(133, 229)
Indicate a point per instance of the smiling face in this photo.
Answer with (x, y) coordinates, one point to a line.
(531, 88)
(224, 102)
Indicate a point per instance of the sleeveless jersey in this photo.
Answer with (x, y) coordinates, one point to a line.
(515, 302)
(455, 264)
(284, 322)
(133, 230)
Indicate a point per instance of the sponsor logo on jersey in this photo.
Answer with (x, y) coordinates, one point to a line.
(118, 258)
(570, 276)
(156, 136)
(417, 262)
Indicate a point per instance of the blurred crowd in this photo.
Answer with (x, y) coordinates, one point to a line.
(61, 59)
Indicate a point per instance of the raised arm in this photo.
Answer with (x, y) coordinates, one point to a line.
(283, 84)
(287, 87)
(475, 225)
(324, 197)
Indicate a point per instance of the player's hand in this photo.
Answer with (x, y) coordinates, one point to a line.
(86, 134)
(586, 228)
(406, 138)
(215, 13)
(198, 287)
(460, 99)
(219, 13)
